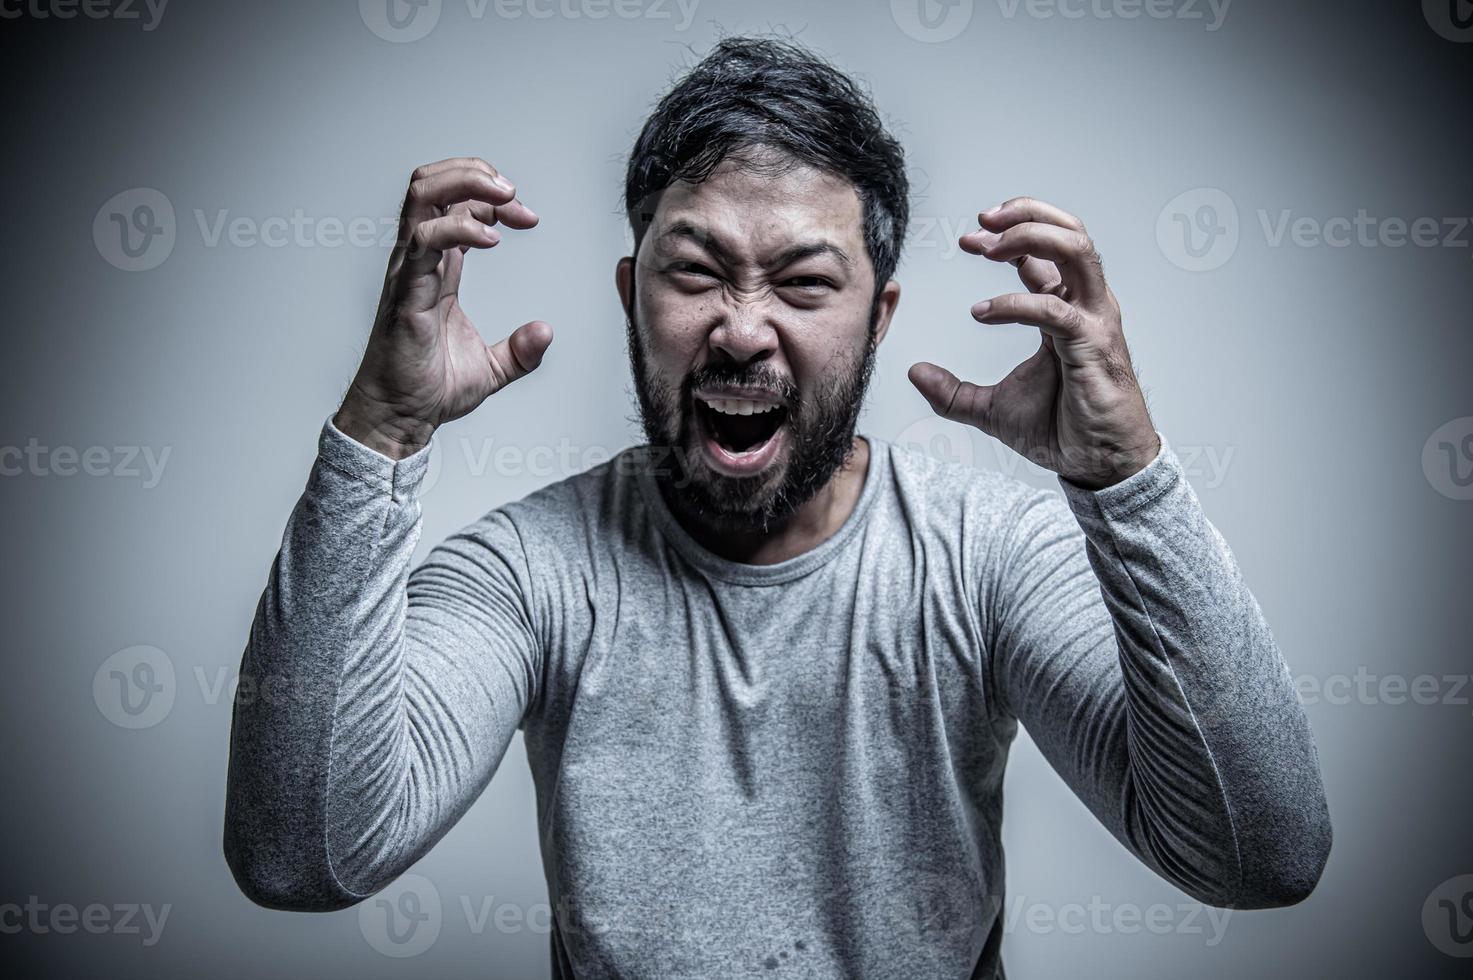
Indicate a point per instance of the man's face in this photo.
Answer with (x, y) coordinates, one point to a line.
(752, 328)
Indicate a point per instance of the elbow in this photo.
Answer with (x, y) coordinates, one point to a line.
(1284, 873)
(1293, 865)
(1291, 881)
(270, 878)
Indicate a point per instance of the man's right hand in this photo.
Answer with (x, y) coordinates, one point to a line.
(425, 363)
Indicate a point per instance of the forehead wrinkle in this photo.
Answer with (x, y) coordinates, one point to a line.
(687, 229)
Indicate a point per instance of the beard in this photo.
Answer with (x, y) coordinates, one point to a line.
(820, 437)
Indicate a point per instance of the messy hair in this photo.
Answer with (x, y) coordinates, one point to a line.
(750, 96)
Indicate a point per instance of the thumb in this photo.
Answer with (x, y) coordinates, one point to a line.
(519, 354)
(949, 396)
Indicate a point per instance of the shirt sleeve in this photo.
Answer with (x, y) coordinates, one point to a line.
(374, 705)
(1127, 644)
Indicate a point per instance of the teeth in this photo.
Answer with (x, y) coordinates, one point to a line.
(738, 406)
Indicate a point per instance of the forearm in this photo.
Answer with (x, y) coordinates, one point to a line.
(346, 760)
(1143, 667)
(1219, 746)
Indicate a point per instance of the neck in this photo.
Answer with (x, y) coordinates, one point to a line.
(810, 525)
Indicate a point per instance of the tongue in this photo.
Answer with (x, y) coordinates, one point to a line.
(739, 433)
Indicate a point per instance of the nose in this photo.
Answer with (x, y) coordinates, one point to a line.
(744, 333)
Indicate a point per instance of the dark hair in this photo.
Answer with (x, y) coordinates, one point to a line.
(751, 94)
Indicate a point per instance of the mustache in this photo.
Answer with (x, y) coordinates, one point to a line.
(752, 377)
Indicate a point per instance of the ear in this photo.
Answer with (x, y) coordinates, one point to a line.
(624, 282)
(885, 304)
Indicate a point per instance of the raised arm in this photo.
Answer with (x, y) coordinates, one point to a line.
(374, 705)
(1125, 638)
(1128, 645)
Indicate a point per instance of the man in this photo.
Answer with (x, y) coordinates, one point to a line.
(767, 671)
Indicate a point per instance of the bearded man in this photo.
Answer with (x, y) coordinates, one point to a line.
(767, 669)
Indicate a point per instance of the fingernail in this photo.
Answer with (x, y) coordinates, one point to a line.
(981, 308)
(503, 183)
(992, 210)
(492, 232)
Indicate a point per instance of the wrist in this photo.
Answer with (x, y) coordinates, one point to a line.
(1118, 465)
(377, 426)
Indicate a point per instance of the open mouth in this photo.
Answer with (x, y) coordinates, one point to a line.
(740, 436)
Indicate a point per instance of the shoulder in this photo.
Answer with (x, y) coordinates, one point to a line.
(937, 488)
(570, 510)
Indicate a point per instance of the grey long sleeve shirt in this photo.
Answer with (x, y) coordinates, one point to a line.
(742, 766)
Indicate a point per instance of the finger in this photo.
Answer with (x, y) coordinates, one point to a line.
(977, 241)
(519, 354)
(429, 195)
(1072, 252)
(1021, 209)
(513, 215)
(949, 396)
(454, 163)
(430, 239)
(1047, 312)
(451, 267)
(1041, 276)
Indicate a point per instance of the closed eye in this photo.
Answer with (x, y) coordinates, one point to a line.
(808, 282)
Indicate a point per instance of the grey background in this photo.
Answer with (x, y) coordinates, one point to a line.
(1306, 379)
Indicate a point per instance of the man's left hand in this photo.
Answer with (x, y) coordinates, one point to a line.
(1075, 406)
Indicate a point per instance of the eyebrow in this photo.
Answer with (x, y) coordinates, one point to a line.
(802, 250)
